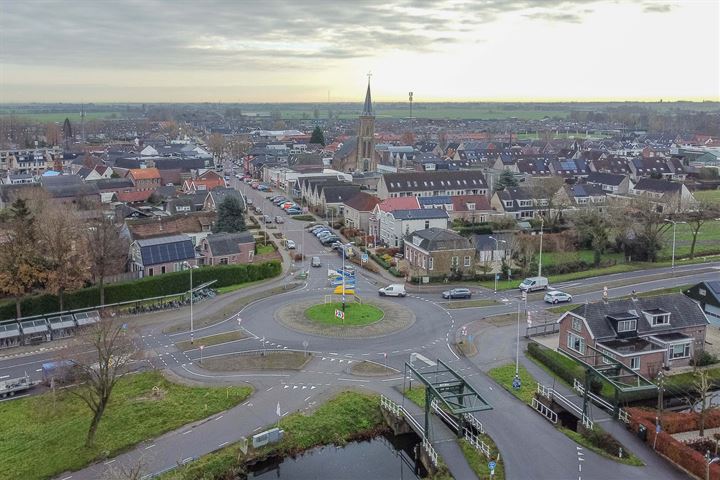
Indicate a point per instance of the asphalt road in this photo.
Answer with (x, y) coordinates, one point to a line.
(532, 448)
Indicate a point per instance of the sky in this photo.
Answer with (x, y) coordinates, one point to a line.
(320, 50)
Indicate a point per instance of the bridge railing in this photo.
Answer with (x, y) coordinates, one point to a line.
(579, 387)
(552, 394)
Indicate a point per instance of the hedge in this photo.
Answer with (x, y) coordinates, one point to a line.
(563, 367)
(677, 452)
(394, 271)
(380, 261)
(156, 286)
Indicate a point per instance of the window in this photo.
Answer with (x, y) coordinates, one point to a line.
(661, 319)
(430, 263)
(680, 350)
(162, 269)
(576, 342)
(427, 224)
(466, 261)
(508, 203)
(577, 324)
(525, 203)
(606, 360)
(454, 261)
(635, 363)
(223, 261)
(627, 326)
(150, 272)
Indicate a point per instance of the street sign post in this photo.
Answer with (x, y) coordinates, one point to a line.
(491, 467)
(364, 258)
(340, 314)
(305, 345)
(201, 350)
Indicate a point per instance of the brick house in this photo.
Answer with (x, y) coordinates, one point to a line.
(358, 209)
(144, 178)
(206, 181)
(227, 248)
(437, 252)
(644, 334)
(156, 256)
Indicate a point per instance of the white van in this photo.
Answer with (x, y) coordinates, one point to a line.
(534, 283)
(394, 290)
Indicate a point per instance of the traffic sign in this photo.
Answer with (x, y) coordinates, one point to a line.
(497, 276)
(524, 295)
(364, 257)
(340, 314)
(492, 466)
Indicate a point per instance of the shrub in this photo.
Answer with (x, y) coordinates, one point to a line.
(395, 271)
(303, 218)
(703, 359)
(562, 366)
(380, 261)
(167, 284)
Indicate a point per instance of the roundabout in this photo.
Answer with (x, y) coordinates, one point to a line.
(367, 320)
(354, 314)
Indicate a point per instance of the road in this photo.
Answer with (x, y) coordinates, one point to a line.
(532, 448)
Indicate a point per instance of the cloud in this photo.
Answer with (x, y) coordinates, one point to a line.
(555, 17)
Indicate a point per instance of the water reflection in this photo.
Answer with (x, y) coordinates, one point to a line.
(384, 457)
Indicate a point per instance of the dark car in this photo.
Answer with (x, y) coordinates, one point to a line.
(457, 293)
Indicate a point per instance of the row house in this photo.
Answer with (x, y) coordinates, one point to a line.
(519, 203)
(644, 334)
(570, 168)
(581, 196)
(610, 182)
(428, 184)
(655, 167)
(611, 164)
(472, 208)
(667, 196)
(30, 161)
(227, 249)
(357, 210)
(160, 255)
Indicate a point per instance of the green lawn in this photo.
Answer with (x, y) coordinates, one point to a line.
(479, 462)
(262, 249)
(504, 375)
(707, 195)
(238, 286)
(346, 417)
(43, 438)
(60, 117)
(591, 442)
(416, 395)
(563, 308)
(356, 314)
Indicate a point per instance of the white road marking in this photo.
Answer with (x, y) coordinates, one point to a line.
(218, 418)
(108, 462)
(353, 380)
(149, 447)
(223, 444)
(4, 376)
(185, 433)
(307, 398)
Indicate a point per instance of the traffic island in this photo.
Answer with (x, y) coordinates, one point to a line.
(371, 369)
(362, 320)
(233, 362)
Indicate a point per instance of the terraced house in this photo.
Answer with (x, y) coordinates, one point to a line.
(432, 184)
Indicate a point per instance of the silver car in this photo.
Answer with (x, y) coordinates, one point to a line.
(556, 296)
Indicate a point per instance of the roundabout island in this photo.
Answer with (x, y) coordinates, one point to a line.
(354, 314)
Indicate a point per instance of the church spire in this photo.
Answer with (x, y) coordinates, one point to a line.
(367, 107)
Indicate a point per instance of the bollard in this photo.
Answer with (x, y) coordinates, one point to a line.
(620, 453)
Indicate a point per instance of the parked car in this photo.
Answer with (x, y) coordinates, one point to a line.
(293, 211)
(556, 296)
(268, 219)
(290, 244)
(279, 219)
(329, 240)
(534, 283)
(315, 262)
(457, 293)
(248, 201)
(394, 290)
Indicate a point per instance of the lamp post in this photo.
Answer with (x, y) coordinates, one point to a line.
(674, 224)
(517, 345)
(192, 328)
(709, 461)
(496, 248)
(542, 224)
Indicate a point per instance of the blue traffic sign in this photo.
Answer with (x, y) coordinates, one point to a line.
(497, 276)
(492, 465)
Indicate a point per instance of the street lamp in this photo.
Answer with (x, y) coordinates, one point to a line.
(674, 224)
(709, 461)
(542, 224)
(343, 276)
(192, 329)
(496, 248)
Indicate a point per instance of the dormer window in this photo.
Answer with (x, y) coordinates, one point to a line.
(658, 317)
(627, 326)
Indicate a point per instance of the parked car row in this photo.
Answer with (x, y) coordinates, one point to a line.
(290, 207)
(325, 235)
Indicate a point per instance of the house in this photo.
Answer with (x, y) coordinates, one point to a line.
(438, 252)
(159, 255)
(580, 196)
(196, 225)
(394, 225)
(144, 178)
(358, 210)
(655, 167)
(429, 184)
(707, 294)
(518, 202)
(610, 182)
(227, 248)
(472, 208)
(204, 182)
(381, 210)
(216, 196)
(17, 179)
(610, 164)
(488, 251)
(667, 196)
(570, 168)
(334, 196)
(644, 334)
(71, 189)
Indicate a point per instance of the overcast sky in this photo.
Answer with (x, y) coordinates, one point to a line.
(305, 50)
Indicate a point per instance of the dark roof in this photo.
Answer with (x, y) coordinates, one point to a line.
(367, 106)
(339, 193)
(684, 312)
(586, 190)
(348, 147)
(60, 180)
(175, 248)
(72, 190)
(438, 180)
(660, 186)
(228, 243)
(605, 178)
(362, 202)
(221, 193)
(111, 183)
(705, 293)
(420, 214)
(483, 243)
(434, 239)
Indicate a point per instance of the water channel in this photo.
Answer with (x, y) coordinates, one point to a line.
(384, 457)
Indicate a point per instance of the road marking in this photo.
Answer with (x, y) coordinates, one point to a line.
(391, 379)
(257, 429)
(284, 414)
(39, 370)
(307, 398)
(352, 380)
(149, 447)
(185, 433)
(218, 418)
(67, 478)
(186, 460)
(579, 467)
(223, 444)
(108, 462)
(451, 351)
(4, 376)
(269, 389)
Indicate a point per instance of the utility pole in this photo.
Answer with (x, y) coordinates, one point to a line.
(542, 224)
(661, 390)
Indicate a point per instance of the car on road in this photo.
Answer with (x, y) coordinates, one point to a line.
(457, 293)
(556, 296)
(394, 290)
(290, 245)
(248, 201)
(279, 219)
(534, 283)
(315, 262)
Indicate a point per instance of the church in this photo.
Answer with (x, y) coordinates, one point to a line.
(358, 154)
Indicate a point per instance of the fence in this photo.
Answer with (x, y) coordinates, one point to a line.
(553, 395)
(600, 402)
(542, 329)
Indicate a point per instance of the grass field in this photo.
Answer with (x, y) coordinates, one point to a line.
(59, 117)
(356, 314)
(43, 438)
(348, 416)
(707, 195)
(263, 249)
(504, 375)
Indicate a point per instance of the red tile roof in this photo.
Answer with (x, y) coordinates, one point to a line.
(399, 203)
(362, 202)
(131, 197)
(144, 173)
(460, 202)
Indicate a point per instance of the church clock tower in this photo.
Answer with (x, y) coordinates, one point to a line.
(366, 136)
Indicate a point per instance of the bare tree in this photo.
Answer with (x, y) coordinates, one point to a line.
(216, 143)
(134, 470)
(704, 212)
(107, 250)
(702, 386)
(65, 255)
(100, 358)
